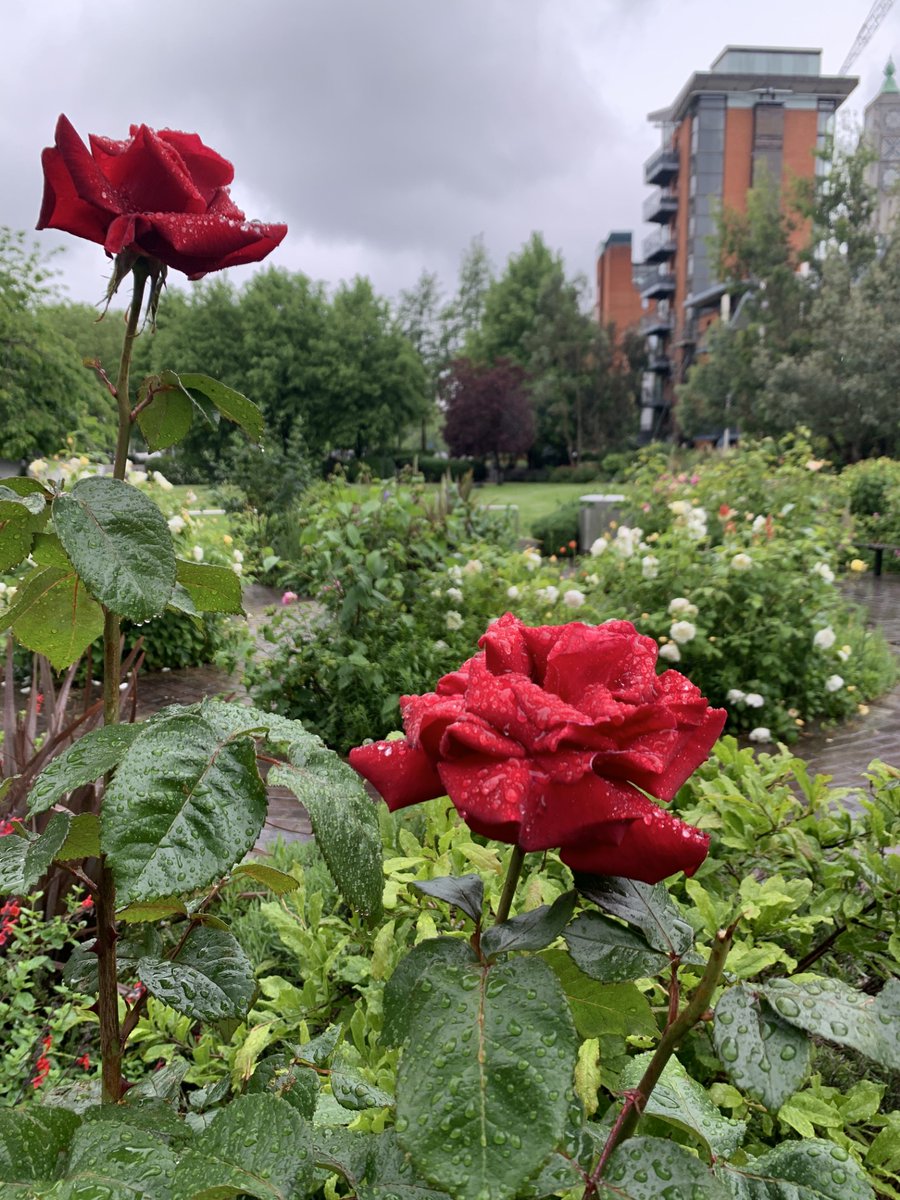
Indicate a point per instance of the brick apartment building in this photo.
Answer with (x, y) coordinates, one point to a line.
(756, 110)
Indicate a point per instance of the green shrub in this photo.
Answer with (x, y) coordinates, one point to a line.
(557, 528)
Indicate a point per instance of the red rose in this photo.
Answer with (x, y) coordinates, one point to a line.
(161, 195)
(549, 737)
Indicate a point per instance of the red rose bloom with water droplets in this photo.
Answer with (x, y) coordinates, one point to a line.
(549, 738)
(161, 195)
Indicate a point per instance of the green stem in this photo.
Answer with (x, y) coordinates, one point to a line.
(511, 883)
(108, 993)
(636, 1101)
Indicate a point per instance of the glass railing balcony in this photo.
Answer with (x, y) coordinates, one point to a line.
(656, 324)
(662, 166)
(659, 247)
(660, 288)
(660, 207)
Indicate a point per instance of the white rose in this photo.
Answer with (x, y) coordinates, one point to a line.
(760, 734)
(834, 683)
(237, 568)
(759, 524)
(573, 598)
(159, 478)
(741, 562)
(754, 700)
(197, 553)
(455, 574)
(734, 696)
(10, 592)
(824, 639)
(453, 620)
(670, 652)
(513, 592)
(548, 595)
(599, 546)
(440, 644)
(532, 558)
(650, 567)
(237, 556)
(824, 572)
(473, 567)
(176, 523)
(682, 631)
(682, 607)
(844, 653)
(592, 580)
(679, 507)
(455, 595)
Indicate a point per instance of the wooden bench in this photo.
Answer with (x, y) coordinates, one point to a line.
(879, 548)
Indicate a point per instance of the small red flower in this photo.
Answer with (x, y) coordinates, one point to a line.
(87, 903)
(84, 1061)
(39, 702)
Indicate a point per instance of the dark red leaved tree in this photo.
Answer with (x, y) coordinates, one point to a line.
(487, 410)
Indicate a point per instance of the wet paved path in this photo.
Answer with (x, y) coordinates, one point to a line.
(844, 752)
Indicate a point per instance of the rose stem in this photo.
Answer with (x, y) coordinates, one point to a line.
(108, 993)
(636, 1100)
(510, 883)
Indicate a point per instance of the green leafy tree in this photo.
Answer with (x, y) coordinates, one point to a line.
(512, 302)
(419, 320)
(46, 394)
(840, 206)
(462, 317)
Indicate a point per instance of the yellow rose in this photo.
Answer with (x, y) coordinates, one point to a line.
(857, 564)
(227, 539)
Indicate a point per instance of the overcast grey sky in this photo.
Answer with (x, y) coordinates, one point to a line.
(387, 133)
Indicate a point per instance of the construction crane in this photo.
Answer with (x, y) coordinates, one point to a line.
(879, 11)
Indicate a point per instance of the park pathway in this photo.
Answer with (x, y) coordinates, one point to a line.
(843, 753)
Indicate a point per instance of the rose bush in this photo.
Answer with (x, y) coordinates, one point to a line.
(159, 195)
(549, 738)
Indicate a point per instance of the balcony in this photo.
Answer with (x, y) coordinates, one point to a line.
(660, 207)
(659, 247)
(659, 363)
(656, 324)
(653, 393)
(661, 167)
(660, 288)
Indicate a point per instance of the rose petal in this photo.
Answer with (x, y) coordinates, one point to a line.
(505, 647)
(401, 773)
(652, 848)
(200, 243)
(521, 709)
(425, 718)
(614, 655)
(472, 735)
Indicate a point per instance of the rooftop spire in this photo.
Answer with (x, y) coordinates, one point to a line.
(889, 84)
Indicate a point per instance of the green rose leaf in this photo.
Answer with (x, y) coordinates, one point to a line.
(21, 517)
(185, 805)
(465, 892)
(278, 1075)
(152, 910)
(112, 1155)
(120, 545)
(611, 952)
(47, 551)
(210, 979)
(648, 907)
(648, 1168)
(278, 882)
(615, 1008)
(811, 1169)
(54, 615)
(231, 404)
(42, 850)
(484, 1081)
(82, 840)
(13, 849)
(167, 417)
(353, 1092)
(93, 755)
(257, 1146)
(532, 930)
(767, 1058)
(410, 989)
(344, 822)
(33, 1141)
(388, 1172)
(320, 1048)
(80, 972)
(210, 588)
(830, 1009)
(679, 1100)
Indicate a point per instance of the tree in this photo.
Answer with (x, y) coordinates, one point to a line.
(463, 315)
(840, 206)
(511, 304)
(488, 412)
(370, 383)
(419, 320)
(46, 394)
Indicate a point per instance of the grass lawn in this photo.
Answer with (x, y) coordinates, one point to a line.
(535, 500)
